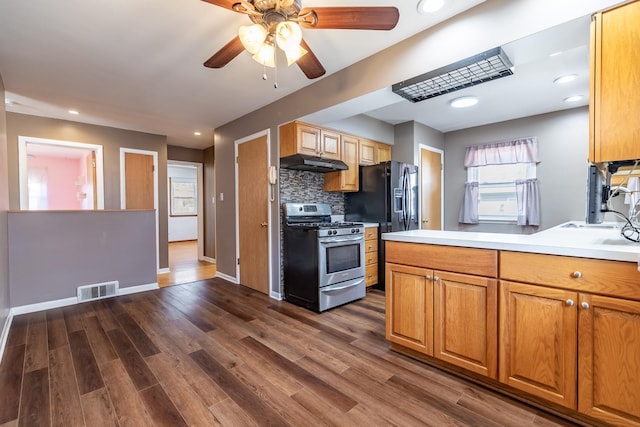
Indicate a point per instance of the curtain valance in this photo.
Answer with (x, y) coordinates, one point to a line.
(523, 150)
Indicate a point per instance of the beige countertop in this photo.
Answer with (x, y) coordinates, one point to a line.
(575, 238)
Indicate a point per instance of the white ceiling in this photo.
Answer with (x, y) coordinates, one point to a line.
(137, 64)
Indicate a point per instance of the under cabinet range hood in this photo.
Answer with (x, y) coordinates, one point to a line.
(305, 162)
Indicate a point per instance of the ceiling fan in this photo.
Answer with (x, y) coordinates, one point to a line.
(276, 23)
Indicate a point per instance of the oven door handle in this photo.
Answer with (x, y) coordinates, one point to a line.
(342, 287)
(353, 239)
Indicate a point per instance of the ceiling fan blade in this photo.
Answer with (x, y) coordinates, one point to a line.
(226, 54)
(309, 64)
(354, 18)
(223, 3)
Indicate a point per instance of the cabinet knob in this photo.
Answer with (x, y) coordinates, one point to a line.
(427, 277)
(263, 224)
(585, 305)
(425, 221)
(436, 278)
(570, 302)
(577, 274)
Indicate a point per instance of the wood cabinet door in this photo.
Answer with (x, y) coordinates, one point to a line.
(466, 322)
(383, 153)
(609, 367)
(367, 151)
(615, 84)
(538, 341)
(308, 138)
(409, 307)
(350, 157)
(330, 144)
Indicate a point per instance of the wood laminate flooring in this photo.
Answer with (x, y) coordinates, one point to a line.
(184, 266)
(212, 353)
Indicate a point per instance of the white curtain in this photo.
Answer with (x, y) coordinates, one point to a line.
(469, 209)
(528, 199)
(523, 150)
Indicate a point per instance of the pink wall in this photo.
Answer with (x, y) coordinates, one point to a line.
(62, 175)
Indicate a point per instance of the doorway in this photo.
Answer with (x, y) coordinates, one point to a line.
(431, 188)
(252, 198)
(59, 175)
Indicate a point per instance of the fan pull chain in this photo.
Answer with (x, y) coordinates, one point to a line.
(275, 70)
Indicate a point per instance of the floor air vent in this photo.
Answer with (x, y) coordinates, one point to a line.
(97, 291)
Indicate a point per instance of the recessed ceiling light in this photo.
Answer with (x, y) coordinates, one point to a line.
(74, 112)
(197, 133)
(464, 102)
(573, 98)
(566, 79)
(430, 6)
(556, 53)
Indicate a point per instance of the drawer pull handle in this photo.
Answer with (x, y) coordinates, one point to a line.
(577, 274)
(570, 302)
(585, 305)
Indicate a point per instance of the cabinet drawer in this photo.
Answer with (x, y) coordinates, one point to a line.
(479, 262)
(371, 274)
(371, 245)
(370, 258)
(616, 278)
(371, 233)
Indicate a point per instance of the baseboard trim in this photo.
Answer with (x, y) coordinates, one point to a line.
(208, 259)
(4, 336)
(226, 277)
(275, 295)
(40, 306)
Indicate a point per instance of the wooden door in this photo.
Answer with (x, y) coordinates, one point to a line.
(431, 189)
(253, 214)
(409, 307)
(538, 341)
(466, 322)
(139, 190)
(609, 367)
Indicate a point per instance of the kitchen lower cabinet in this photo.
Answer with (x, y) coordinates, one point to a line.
(459, 314)
(466, 322)
(609, 359)
(538, 341)
(371, 256)
(409, 307)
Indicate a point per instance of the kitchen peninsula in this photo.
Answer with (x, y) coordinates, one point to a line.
(552, 317)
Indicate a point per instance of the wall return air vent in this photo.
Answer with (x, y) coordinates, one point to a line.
(97, 291)
(490, 65)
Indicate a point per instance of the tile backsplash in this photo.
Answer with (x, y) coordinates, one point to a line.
(308, 187)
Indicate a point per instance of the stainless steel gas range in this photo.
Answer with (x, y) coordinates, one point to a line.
(323, 260)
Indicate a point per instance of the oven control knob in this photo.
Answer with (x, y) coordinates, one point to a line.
(334, 232)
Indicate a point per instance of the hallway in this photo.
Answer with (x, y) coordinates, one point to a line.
(184, 265)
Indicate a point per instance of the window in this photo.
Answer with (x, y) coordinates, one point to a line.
(497, 197)
(183, 197)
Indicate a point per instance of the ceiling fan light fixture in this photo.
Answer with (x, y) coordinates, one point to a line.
(294, 53)
(252, 37)
(266, 55)
(429, 6)
(288, 35)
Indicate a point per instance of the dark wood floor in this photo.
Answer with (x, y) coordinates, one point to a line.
(212, 353)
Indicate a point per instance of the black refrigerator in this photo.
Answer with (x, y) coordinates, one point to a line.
(388, 195)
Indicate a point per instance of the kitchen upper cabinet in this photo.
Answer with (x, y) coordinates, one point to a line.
(383, 153)
(346, 180)
(466, 322)
(609, 359)
(367, 152)
(615, 84)
(409, 307)
(538, 341)
(302, 138)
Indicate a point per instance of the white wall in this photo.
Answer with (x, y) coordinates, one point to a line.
(181, 227)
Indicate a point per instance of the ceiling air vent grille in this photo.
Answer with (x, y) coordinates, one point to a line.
(486, 66)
